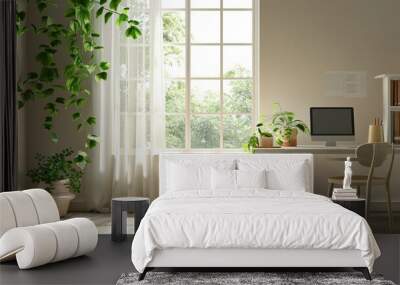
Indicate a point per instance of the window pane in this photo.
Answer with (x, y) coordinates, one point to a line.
(174, 27)
(205, 61)
(205, 3)
(238, 3)
(175, 96)
(170, 4)
(238, 96)
(205, 27)
(237, 61)
(238, 27)
(205, 96)
(237, 129)
(205, 131)
(174, 61)
(175, 131)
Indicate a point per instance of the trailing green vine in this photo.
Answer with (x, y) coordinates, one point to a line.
(62, 87)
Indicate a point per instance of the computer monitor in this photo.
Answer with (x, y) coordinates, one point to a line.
(331, 124)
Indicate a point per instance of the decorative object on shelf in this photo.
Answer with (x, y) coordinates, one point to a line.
(347, 174)
(344, 194)
(391, 107)
(76, 34)
(285, 127)
(375, 131)
(59, 175)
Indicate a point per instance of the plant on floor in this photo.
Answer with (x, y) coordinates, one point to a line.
(56, 167)
(284, 125)
(60, 86)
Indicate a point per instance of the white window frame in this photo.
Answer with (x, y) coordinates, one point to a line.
(187, 78)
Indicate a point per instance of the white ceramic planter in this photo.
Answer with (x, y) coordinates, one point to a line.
(62, 196)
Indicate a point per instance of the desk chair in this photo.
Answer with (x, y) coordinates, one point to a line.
(371, 155)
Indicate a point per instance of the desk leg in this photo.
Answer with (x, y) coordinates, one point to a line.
(140, 211)
(118, 222)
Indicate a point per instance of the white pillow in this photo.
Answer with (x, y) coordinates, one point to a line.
(188, 177)
(251, 178)
(223, 179)
(293, 179)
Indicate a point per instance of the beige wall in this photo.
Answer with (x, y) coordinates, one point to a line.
(300, 40)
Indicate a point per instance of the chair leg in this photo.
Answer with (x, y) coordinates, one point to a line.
(330, 190)
(389, 207)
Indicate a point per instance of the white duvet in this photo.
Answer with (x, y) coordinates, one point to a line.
(250, 219)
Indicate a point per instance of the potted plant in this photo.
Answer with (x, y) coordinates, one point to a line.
(60, 175)
(266, 139)
(263, 139)
(285, 128)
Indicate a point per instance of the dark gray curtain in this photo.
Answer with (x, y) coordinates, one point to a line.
(8, 123)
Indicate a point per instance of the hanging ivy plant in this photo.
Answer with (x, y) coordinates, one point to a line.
(78, 35)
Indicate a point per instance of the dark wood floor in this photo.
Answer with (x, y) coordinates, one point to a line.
(110, 260)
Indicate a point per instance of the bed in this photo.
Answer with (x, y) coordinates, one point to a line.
(247, 210)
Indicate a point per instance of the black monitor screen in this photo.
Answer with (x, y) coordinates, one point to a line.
(332, 121)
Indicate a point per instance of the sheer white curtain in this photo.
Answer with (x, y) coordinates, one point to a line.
(129, 108)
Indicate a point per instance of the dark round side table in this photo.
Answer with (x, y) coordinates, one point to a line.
(119, 214)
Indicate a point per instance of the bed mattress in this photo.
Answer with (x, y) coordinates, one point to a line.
(250, 219)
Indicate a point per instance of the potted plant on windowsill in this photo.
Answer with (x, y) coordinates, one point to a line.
(266, 138)
(60, 175)
(285, 128)
(263, 139)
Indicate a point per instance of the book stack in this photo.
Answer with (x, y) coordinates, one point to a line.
(344, 194)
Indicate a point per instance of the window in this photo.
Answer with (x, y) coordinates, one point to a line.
(210, 72)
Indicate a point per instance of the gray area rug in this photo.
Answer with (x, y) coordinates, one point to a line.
(269, 278)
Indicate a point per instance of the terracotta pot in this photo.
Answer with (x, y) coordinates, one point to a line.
(292, 141)
(266, 142)
(62, 196)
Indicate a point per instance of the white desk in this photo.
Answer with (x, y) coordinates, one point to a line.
(349, 150)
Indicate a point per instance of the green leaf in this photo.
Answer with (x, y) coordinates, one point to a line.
(102, 2)
(81, 159)
(91, 141)
(114, 4)
(54, 137)
(48, 125)
(133, 32)
(80, 101)
(101, 76)
(107, 16)
(104, 65)
(69, 13)
(79, 126)
(91, 121)
(121, 19)
(76, 116)
(99, 11)
(96, 35)
(20, 104)
(48, 92)
(44, 57)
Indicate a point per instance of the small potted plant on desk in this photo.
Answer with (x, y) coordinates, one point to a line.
(59, 175)
(263, 139)
(285, 128)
